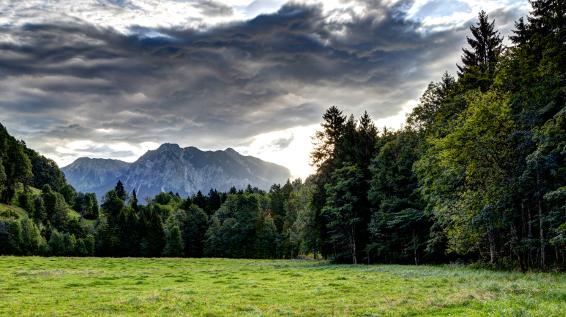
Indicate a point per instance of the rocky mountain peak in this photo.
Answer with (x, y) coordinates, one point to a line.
(172, 168)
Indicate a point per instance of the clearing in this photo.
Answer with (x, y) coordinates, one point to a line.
(221, 287)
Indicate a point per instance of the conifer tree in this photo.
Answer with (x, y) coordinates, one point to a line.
(120, 191)
(134, 201)
(480, 61)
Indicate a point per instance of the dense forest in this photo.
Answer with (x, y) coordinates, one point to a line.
(477, 174)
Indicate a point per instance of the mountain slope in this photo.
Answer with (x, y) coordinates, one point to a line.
(176, 169)
(94, 175)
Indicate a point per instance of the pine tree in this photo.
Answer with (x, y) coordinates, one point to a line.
(342, 209)
(521, 33)
(120, 191)
(332, 129)
(479, 63)
(134, 201)
(200, 200)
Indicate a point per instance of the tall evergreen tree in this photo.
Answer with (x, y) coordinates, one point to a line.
(134, 201)
(120, 191)
(342, 208)
(479, 62)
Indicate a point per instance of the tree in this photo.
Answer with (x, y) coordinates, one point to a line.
(134, 201)
(233, 230)
(468, 172)
(266, 238)
(299, 228)
(173, 241)
(55, 207)
(87, 205)
(214, 201)
(25, 201)
(56, 243)
(69, 194)
(328, 137)
(430, 111)
(112, 207)
(193, 223)
(17, 168)
(3, 177)
(342, 209)
(152, 238)
(39, 212)
(398, 226)
(479, 62)
(31, 241)
(200, 200)
(120, 191)
(45, 171)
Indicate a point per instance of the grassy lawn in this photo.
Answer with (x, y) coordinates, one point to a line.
(220, 287)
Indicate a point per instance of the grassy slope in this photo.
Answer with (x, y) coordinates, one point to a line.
(11, 212)
(220, 287)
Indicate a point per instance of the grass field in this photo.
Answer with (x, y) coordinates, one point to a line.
(221, 287)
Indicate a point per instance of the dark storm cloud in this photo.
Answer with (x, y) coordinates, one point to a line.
(213, 8)
(217, 87)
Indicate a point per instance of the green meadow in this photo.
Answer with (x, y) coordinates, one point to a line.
(36, 286)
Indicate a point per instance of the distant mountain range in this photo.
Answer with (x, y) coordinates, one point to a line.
(172, 168)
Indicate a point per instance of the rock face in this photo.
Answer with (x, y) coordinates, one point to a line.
(94, 175)
(172, 168)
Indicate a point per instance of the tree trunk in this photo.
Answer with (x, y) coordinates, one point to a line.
(541, 235)
(353, 239)
(491, 240)
(530, 236)
(415, 246)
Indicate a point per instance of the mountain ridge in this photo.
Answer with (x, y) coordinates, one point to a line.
(170, 167)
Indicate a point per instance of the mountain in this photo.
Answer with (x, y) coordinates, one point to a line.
(94, 175)
(172, 168)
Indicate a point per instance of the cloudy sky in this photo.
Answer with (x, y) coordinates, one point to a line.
(114, 78)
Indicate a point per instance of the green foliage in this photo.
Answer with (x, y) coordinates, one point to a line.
(479, 63)
(233, 229)
(25, 201)
(69, 194)
(39, 211)
(299, 227)
(476, 154)
(173, 241)
(87, 205)
(266, 238)
(46, 172)
(120, 191)
(399, 228)
(56, 209)
(3, 177)
(193, 222)
(341, 208)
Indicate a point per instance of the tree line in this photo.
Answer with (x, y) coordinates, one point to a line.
(476, 174)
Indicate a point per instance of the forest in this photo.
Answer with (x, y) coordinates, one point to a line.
(476, 175)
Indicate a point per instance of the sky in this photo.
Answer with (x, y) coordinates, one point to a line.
(115, 78)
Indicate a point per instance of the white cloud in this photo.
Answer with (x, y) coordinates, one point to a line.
(295, 156)
(123, 15)
(67, 151)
